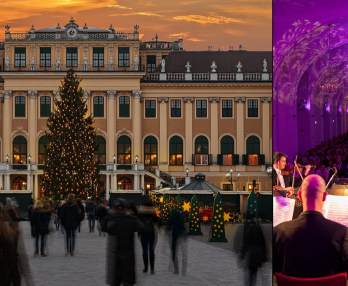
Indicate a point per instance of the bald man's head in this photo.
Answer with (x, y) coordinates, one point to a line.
(313, 192)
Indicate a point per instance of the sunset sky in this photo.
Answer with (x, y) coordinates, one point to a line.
(201, 23)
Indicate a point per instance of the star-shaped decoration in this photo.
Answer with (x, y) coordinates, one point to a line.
(227, 216)
(186, 206)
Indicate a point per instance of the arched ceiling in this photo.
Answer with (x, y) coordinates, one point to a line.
(317, 51)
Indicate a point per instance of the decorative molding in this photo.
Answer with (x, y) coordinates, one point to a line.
(111, 93)
(240, 99)
(163, 99)
(188, 99)
(136, 93)
(267, 99)
(214, 99)
(32, 93)
(7, 93)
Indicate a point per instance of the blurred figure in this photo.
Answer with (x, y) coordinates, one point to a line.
(101, 213)
(178, 238)
(253, 250)
(91, 208)
(148, 236)
(70, 218)
(311, 245)
(82, 212)
(120, 249)
(40, 221)
(14, 265)
(30, 212)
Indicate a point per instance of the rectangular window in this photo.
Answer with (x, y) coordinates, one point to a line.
(45, 106)
(45, 57)
(175, 108)
(123, 57)
(98, 57)
(98, 106)
(71, 57)
(20, 106)
(227, 108)
(124, 106)
(20, 57)
(150, 108)
(201, 108)
(253, 108)
(151, 63)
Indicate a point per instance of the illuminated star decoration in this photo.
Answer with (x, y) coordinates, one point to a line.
(227, 216)
(186, 206)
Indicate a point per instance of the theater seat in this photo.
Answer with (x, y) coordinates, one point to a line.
(339, 279)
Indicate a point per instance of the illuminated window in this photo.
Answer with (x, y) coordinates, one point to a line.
(176, 151)
(43, 143)
(19, 150)
(100, 152)
(124, 150)
(150, 151)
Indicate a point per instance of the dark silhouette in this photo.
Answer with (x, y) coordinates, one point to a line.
(91, 209)
(70, 217)
(121, 258)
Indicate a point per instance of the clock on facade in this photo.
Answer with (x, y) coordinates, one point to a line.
(71, 32)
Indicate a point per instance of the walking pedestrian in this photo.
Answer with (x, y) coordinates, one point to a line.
(148, 236)
(91, 208)
(40, 220)
(82, 212)
(121, 227)
(101, 213)
(70, 219)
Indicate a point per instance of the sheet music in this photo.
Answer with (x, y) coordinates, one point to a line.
(283, 209)
(336, 209)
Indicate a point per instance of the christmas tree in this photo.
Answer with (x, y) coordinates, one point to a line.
(164, 210)
(218, 225)
(70, 166)
(194, 225)
(252, 211)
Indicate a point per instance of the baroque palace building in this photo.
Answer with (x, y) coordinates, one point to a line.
(162, 114)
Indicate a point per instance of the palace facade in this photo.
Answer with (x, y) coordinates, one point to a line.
(162, 114)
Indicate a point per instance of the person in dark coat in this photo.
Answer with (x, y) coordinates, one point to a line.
(101, 213)
(40, 220)
(91, 214)
(70, 217)
(310, 245)
(82, 212)
(121, 227)
(148, 236)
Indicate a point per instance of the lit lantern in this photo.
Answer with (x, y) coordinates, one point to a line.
(205, 218)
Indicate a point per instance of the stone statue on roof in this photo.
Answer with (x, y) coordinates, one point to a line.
(188, 67)
(239, 67)
(163, 65)
(264, 64)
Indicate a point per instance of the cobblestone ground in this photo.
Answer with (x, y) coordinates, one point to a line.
(212, 264)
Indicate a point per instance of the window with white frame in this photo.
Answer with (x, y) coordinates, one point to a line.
(253, 108)
(175, 108)
(150, 108)
(201, 108)
(227, 108)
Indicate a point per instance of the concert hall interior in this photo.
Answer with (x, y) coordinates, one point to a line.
(310, 81)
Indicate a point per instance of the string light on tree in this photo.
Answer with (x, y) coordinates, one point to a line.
(218, 225)
(194, 222)
(70, 166)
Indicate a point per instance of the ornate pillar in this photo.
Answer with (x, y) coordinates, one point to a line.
(163, 143)
(266, 138)
(29, 183)
(36, 187)
(142, 182)
(136, 182)
(7, 182)
(188, 130)
(7, 125)
(136, 122)
(107, 185)
(214, 127)
(240, 125)
(111, 125)
(32, 124)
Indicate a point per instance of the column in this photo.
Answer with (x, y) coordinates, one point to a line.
(214, 130)
(188, 130)
(29, 182)
(107, 191)
(136, 182)
(1, 182)
(113, 181)
(32, 124)
(111, 125)
(7, 125)
(142, 182)
(163, 142)
(240, 125)
(136, 122)
(36, 187)
(7, 186)
(266, 116)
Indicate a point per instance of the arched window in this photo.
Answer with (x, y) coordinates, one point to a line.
(253, 145)
(124, 150)
(201, 156)
(253, 150)
(176, 151)
(43, 143)
(150, 151)
(227, 150)
(100, 152)
(19, 150)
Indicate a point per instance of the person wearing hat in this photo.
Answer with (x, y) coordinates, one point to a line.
(121, 226)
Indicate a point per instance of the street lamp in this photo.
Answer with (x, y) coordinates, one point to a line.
(187, 172)
(229, 174)
(136, 159)
(29, 159)
(114, 159)
(7, 159)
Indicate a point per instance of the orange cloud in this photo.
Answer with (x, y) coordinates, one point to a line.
(200, 19)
